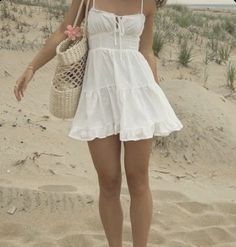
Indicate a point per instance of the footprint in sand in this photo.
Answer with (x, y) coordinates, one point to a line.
(232, 219)
(210, 219)
(219, 234)
(79, 239)
(227, 245)
(44, 244)
(226, 207)
(58, 188)
(156, 237)
(196, 207)
(209, 236)
(168, 195)
(7, 244)
(5, 181)
(232, 229)
(11, 231)
(174, 243)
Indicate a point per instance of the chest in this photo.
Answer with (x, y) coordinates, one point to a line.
(104, 21)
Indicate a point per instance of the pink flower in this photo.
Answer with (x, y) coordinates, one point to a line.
(73, 32)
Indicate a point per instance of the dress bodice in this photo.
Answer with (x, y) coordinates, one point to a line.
(104, 28)
(104, 21)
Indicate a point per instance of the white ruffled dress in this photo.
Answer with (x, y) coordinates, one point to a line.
(119, 92)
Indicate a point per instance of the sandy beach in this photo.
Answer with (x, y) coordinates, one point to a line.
(48, 184)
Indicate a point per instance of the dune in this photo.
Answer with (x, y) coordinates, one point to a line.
(49, 193)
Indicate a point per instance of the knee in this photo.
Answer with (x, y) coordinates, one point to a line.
(110, 184)
(137, 182)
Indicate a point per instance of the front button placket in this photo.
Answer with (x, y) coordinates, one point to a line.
(121, 31)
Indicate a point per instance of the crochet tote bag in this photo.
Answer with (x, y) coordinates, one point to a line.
(71, 56)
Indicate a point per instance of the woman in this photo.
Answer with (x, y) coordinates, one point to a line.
(120, 100)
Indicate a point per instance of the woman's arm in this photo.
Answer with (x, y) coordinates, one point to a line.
(49, 49)
(146, 39)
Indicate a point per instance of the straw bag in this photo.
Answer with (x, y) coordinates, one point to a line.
(67, 82)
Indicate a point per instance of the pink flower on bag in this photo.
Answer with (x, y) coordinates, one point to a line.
(73, 32)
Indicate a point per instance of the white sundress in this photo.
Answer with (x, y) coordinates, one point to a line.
(119, 92)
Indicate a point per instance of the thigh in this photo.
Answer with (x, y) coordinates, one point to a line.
(136, 157)
(105, 153)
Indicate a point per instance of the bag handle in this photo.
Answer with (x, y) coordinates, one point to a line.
(86, 15)
(78, 13)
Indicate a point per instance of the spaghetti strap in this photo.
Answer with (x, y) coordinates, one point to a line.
(141, 6)
(93, 3)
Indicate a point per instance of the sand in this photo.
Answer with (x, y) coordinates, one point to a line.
(48, 184)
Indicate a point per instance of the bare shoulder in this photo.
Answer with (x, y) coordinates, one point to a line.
(70, 15)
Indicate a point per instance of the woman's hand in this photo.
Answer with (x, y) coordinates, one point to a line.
(22, 82)
(48, 51)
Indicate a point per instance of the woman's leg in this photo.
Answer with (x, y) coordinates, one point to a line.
(136, 160)
(105, 153)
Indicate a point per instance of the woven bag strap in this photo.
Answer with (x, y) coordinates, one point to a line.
(79, 11)
(86, 15)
